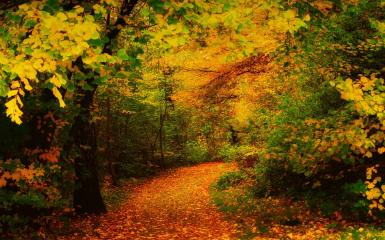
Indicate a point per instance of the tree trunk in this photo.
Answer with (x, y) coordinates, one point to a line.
(161, 160)
(87, 197)
(109, 152)
(234, 136)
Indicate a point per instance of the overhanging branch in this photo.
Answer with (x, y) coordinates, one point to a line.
(114, 29)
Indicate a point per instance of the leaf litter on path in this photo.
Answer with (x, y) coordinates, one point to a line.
(175, 205)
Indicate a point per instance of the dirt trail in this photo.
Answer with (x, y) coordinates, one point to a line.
(175, 205)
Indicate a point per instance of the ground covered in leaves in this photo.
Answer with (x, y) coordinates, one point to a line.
(174, 205)
(185, 203)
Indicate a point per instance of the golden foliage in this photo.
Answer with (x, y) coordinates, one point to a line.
(53, 42)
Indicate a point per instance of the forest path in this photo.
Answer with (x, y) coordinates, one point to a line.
(174, 205)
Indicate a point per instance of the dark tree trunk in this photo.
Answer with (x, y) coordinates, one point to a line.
(234, 136)
(109, 150)
(87, 197)
(161, 160)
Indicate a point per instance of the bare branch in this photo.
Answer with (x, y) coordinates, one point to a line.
(253, 65)
(198, 70)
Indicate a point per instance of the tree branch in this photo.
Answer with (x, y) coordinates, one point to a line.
(254, 65)
(114, 30)
(198, 70)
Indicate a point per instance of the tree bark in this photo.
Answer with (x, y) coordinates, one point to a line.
(109, 151)
(161, 122)
(87, 196)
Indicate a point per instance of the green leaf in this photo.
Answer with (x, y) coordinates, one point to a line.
(13, 17)
(188, 5)
(95, 43)
(157, 5)
(51, 6)
(28, 51)
(87, 87)
(123, 55)
(120, 75)
(13, 76)
(71, 87)
(101, 80)
(3, 89)
(145, 12)
(30, 23)
(226, 7)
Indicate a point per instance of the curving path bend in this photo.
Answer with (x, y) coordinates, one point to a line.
(175, 205)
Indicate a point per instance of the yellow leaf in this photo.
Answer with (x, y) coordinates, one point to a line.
(26, 84)
(15, 85)
(61, 16)
(55, 81)
(59, 97)
(13, 111)
(290, 14)
(18, 99)
(60, 78)
(12, 93)
(21, 92)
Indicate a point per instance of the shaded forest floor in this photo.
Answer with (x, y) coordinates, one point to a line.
(178, 204)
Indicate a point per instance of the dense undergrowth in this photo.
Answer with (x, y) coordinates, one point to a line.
(325, 143)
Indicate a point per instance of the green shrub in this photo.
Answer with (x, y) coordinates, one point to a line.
(196, 152)
(228, 152)
(244, 155)
(230, 179)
